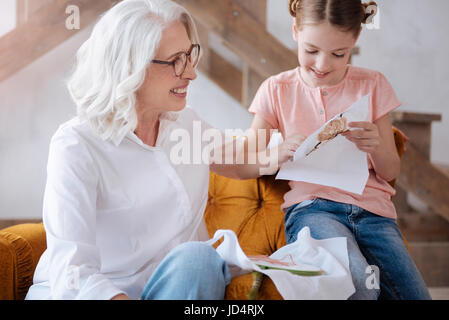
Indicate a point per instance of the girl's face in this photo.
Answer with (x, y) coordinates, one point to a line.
(323, 53)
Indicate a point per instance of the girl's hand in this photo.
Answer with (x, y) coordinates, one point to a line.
(287, 149)
(366, 139)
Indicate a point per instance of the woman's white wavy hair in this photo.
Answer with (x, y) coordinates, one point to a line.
(111, 65)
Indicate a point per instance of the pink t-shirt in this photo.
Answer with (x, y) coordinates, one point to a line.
(290, 105)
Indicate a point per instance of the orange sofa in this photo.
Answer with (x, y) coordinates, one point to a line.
(251, 208)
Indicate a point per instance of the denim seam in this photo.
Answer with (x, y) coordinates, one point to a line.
(352, 224)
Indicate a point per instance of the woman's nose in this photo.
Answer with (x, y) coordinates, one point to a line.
(189, 72)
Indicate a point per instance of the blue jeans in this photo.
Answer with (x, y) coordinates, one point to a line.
(191, 271)
(372, 240)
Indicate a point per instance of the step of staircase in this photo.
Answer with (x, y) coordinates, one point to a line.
(432, 260)
(439, 293)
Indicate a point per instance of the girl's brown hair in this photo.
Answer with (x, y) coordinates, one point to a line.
(347, 15)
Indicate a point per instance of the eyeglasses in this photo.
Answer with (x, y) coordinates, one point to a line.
(180, 62)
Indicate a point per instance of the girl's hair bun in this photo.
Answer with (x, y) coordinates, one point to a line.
(369, 11)
(293, 6)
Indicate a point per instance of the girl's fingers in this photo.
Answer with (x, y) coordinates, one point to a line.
(370, 144)
(366, 139)
(362, 124)
(293, 147)
(290, 155)
(360, 134)
(367, 150)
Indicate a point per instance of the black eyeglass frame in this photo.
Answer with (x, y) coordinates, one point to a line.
(187, 54)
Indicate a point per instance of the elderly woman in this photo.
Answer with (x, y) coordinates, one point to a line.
(122, 221)
(114, 205)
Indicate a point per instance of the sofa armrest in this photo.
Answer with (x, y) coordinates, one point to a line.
(20, 249)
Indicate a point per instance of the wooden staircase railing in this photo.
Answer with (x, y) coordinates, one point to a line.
(42, 30)
(247, 36)
(418, 175)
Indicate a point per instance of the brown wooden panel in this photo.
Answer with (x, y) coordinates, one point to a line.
(432, 260)
(255, 8)
(420, 135)
(217, 69)
(443, 168)
(417, 126)
(248, 38)
(251, 83)
(405, 116)
(44, 30)
(224, 74)
(26, 8)
(34, 5)
(424, 180)
(21, 12)
(203, 34)
(418, 226)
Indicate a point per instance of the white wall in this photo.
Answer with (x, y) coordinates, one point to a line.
(33, 102)
(410, 48)
(8, 18)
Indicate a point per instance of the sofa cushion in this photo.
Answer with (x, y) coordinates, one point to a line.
(16, 265)
(20, 249)
(251, 208)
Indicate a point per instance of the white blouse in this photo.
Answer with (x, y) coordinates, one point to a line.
(112, 212)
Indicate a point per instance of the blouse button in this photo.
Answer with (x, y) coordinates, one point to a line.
(324, 93)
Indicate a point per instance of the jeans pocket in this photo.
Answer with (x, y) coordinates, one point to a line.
(304, 204)
(297, 209)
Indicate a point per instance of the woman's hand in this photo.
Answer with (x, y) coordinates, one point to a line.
(287, 149)
(367, 139)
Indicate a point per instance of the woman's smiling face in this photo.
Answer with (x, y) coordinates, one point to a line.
(323, 53)
(162, 90)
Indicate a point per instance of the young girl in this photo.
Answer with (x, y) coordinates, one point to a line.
(298, 102)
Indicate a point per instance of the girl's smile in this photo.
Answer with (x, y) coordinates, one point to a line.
(320, 75)
(323, 53)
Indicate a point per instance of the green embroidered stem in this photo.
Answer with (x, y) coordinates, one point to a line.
(253, 293)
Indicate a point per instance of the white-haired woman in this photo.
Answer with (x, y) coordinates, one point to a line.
(120, 219)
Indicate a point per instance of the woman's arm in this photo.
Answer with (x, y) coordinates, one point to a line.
(377, 140)
(69, 214)
(258, 160)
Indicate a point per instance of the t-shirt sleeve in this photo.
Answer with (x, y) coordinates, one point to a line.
(384, 99)
(263, 104)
